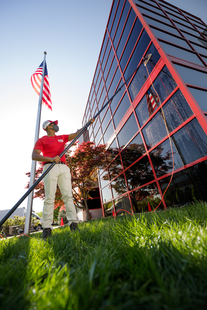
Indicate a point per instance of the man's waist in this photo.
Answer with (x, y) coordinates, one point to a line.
(50, 162)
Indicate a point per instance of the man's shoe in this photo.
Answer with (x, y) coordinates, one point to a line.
(46, 232)
(73, 226)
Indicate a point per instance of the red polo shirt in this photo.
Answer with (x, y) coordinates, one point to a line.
(52, 146)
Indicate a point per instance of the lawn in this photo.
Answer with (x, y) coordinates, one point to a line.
(148, 261)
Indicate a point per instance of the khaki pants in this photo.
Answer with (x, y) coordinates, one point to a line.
(59, 174)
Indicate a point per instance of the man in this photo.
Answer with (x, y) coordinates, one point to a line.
(47, 150)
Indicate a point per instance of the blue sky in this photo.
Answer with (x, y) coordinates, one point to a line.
(71, 33)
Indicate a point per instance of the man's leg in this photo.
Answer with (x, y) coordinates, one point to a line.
(50, 186)
(64, 183)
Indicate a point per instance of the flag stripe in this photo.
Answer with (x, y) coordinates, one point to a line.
(152, 102)
(36, 84)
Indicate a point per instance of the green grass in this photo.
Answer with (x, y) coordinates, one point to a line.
(151, 261)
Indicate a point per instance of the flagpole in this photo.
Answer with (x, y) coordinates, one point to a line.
(33, 167)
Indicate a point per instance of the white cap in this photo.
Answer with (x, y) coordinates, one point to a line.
(46, 123)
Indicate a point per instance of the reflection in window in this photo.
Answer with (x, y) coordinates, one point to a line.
(200, 96)
(141, 197)
(108, 133)
(170, 38)
(191, 76)
(162, 158)
(106, 120)
(114, 83)
(111, 72)
(121, 23)
(115, 167)
(133, 151)
(139, 174)
(106, 194)
(131, 42)
(122, 109)
(161, 25)
(200, 49)
(117, 98)
(188, 185)
(119, 186)
(128, 131)
(118, 13)
(122, 203)
(192, 141)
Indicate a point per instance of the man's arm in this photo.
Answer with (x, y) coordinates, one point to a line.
(36, 155)
(73, 135)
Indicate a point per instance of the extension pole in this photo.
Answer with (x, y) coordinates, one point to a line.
(65, 150)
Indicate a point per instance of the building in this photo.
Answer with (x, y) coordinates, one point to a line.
(156, 125)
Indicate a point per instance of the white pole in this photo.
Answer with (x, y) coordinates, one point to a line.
(33, 168)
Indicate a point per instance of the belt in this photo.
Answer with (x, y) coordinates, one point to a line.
(50, 162)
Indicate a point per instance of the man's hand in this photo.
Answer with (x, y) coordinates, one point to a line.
(56, 159)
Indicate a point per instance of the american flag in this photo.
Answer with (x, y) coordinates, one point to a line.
(36, 83)
(152, 102)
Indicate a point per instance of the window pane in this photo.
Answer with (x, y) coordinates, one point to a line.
(114, 84)
(131, 42)
(133, 151)
(128, 131)
(120, 112)
(117, 98)
(191, 141)
(106, 194)
(108, 63)
(192, 76)
(108, 133)
(112, 14)
(106, 120)
(111, 72)
(165, 36)
(121, 23)
(200, 96)
(200, 49)
(119, 186)
(160, 25)
(116, 18)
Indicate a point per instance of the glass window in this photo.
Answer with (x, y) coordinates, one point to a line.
(190, 37)
(108, 63)
(114, 83)
(106, 55)
(100, 90)
(115, 168)
(180, 53)
(118, 13)
(106, 120)
(122, 109)
(121, 204)
(119, 186)
(178, 19)
(191, 141)
(131, 42)
(108, 133)
(159, 22)
(126, 32)
(117, 98)
(165, 36)
(139, 174)
(98, 136)
(106, 193)
(162, 26)
(134, 150)
(128, 131)
(111, 72)
(112, 14)
(200, 49)
(136, 58)
(191, 76)
(101, 101)
(154, 15)
(103, 46)
(144, 7)
(121, 23)
(188, 29)
(200, 96)
(162, 157)
(104, 179)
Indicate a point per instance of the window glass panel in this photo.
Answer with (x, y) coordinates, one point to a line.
(144, 7)
(174, 18)
(117, 98)
(169, 38)
(108, 133)
(121, 24)
(162, 26)
(115, 168)
(122, 203)
(106, 55)
(200, 96)
(128, 131)
(104, 179)
(114, 84)
(191, 141)
(191, 76)
(98, 136)
(111, 72)
(108, 63)
(101, 101)
(118, 187)
(157, 16)
(126, 32)
(100, 90)
(185, 28)
(106, 120)
(131, 42)
(112, 14)
(160, 23)
(200, 49)
(122, 108)
(106, 193)
(133, 151)
(180, 53)
(118, 13)
(190, 37)
(139, 174)
(162, 157)
(104, 46)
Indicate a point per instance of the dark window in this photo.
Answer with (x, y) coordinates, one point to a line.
(144, 7)
(121, 23)
(191, 141)
(118, 13)
(120, 112)
(99, 90)
(126, 32)
(103, 47)
(106, 55)
(108, 133)
(108, 63)
(139, 174)
(133, 151)
(128, 131)
(112, 14)
(106, 120)
(131, 43)
(192, 76)
(167, 37)
(161, 25)
(111, 72)
(118, 96)
(200, 96)
(119, 186)
(200, 49)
